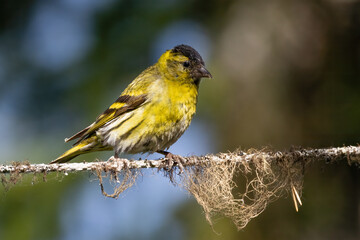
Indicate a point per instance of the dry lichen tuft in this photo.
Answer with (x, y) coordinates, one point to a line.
(14, 177)
(120, 180)
(216, 187)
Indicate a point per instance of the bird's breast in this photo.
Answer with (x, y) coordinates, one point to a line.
(172, 111)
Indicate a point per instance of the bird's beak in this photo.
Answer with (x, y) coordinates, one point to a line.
(202, 73)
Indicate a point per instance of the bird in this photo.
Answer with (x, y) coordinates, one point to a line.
(151, 113)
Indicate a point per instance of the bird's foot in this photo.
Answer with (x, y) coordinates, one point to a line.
(172, 160)
(113, 159)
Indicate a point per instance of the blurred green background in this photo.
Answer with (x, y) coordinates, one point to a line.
(286, 72)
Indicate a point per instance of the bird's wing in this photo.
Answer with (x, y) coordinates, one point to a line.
(124, 104)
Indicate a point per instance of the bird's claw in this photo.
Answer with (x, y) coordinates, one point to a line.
(172, 159)
(113, 159)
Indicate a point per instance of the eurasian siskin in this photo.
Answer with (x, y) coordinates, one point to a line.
(153, 111)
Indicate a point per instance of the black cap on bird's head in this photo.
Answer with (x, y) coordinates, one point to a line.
(195, 61)
(189, 52)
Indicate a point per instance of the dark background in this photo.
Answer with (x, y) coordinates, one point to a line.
(286, 73)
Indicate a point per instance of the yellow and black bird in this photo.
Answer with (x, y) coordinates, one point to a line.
(152, 112)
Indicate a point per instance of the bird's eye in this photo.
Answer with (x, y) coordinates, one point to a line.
(186, 64)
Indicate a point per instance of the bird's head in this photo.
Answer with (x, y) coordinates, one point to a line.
(183, 63)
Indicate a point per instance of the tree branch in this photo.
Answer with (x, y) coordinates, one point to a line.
(211, 179)
(351, 153)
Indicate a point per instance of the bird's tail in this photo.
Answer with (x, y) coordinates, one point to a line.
(87, 145)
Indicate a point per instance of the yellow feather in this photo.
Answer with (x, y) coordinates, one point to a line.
(152, 112)
(116, 105)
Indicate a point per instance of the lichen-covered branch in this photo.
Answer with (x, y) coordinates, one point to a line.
(238, 185)
(351, 153)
